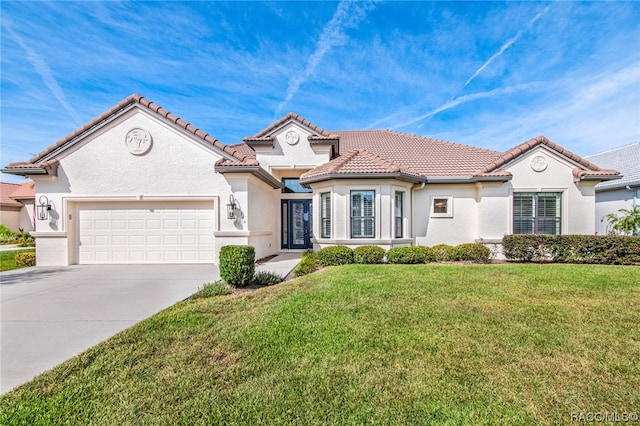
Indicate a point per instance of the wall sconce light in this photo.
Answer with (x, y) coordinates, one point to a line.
(43, 208)
(232, 208)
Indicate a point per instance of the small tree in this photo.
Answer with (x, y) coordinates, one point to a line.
(627, 223)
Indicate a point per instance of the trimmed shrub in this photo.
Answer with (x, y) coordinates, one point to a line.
(406, 255)
(25, 259)
(444, 253)
(335, 255)
(600, 249)
(428, 252)
(473, 252)
(218, 288)
(266, 278)
(368, 254)
(307, 265)
(237, 264)
(25, 239)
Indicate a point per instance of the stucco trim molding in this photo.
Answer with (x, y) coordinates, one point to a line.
(49, 234)
(242, 234)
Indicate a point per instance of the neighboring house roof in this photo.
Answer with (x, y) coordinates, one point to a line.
(626, 159)
(6, 189)
(44, 163)
(26, 191)
(12, 193)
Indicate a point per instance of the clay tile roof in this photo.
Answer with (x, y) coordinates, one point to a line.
(26, 190)
(265, 134)
(425, 156)
(586, 174)
(360, 162)
(532, 143)
(36, 161)
(6, 190)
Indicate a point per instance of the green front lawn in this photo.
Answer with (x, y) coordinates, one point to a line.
(8, 258)
(384, 344)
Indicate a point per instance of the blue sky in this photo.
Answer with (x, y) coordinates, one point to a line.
(486, 74)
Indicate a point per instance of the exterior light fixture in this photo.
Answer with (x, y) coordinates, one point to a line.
(43, 208)
(232, 208)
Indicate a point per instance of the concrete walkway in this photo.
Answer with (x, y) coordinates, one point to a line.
(282, 264)
(14, 247)
(50, 314)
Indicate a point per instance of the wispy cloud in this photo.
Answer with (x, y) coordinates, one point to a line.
(347, 15)
(454, 102)
(42, 68)
(505, 46)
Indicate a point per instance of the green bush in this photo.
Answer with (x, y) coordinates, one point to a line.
(218, 288)
(473, 252)
(428, 252)
(25, 239)
(307, 265)
(406, 255)
(444, 253)
(600, 249)
(368, 254)
(335, 255)
(25, 259)
(237, 264)
(7, 235)
(266, 278)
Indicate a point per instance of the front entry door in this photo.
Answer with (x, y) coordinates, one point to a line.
(296, 224)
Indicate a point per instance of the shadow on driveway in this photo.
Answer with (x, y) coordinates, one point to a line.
(35, 273)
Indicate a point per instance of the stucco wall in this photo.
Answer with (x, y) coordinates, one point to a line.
(460, 228)
(100, 167)
(10, 217)
(610, 202)
(299, 155)
(578, 198)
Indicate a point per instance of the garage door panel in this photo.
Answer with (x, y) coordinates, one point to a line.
(145, 232)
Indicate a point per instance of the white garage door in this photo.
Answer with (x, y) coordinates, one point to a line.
(146, 232)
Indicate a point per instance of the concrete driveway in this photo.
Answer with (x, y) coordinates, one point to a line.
(48, 315)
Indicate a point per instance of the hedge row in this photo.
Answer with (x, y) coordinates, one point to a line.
(601, 249)
(343, 255)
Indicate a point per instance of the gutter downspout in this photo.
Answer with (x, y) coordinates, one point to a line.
(413, 213)
(635, 195)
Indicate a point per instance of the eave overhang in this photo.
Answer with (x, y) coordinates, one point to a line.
(330, 176)
(257, 171)
(28, 169)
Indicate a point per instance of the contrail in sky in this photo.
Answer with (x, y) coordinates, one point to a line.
(505, 46)
(45, 73)
(347, 15)
(452, 103)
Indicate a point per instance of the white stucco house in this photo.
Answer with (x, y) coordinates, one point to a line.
(623, 193)
(139, 185)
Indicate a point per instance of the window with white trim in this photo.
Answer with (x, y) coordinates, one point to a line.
(397, 214)
(363, 219)
(325, 214)
(442, 206)
(537, 212)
